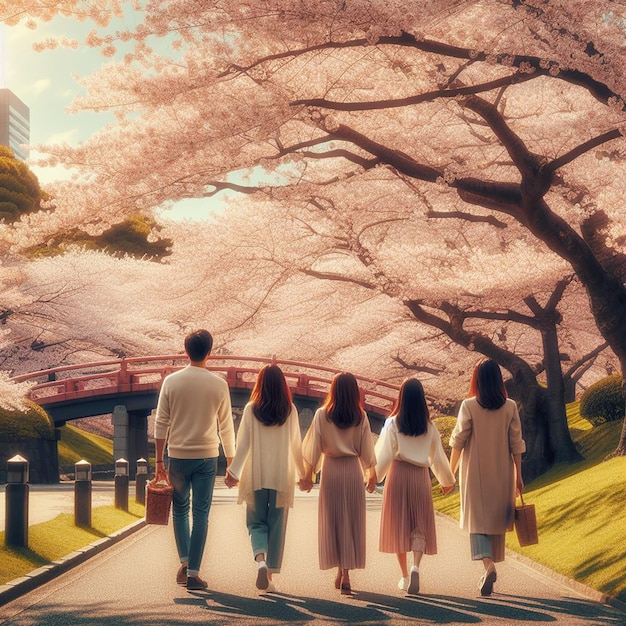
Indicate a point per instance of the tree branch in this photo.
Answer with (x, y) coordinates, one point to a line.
(526, 162)
(428, 96)
(584, 360)
(530, 64)
(418, 368)
(338, 278)
(468, 217)
(581, 149)
(505, 195)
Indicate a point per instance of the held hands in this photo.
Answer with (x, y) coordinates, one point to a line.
(447, 490)
(371, 481)
(305, 484)
(230, 480)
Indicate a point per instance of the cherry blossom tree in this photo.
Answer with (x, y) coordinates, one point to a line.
(499, 115)
(438, 276)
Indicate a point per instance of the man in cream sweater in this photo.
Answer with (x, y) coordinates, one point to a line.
(193, 415)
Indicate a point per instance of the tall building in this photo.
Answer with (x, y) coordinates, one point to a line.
(14, 123)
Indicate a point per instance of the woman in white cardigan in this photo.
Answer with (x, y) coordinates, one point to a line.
(268, 454)
(408, 445)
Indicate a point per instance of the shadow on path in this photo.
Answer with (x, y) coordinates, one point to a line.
(213, 607)
(365, 607)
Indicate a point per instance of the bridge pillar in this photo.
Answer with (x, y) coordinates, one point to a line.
(119, 420)
(130, 435)
(137, 438)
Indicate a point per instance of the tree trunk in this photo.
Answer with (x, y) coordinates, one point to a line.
(570, 391)
(564, 449)
(535, 417)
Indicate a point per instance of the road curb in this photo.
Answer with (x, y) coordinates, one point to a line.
(19, 586)
(570, 583)
(575, 585)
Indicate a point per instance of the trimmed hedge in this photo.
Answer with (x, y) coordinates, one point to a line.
(32, 423)
(603, 401)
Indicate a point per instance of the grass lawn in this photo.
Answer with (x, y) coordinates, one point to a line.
(77, 444)
(59, 537)
(580, 511)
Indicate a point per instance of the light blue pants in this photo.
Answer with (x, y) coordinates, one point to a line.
(487, 546)
(267, 525)
(195, 477)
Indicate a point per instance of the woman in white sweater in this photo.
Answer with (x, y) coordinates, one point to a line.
(408, 445)
(268, 454)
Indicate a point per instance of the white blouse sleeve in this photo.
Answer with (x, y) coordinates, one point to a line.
(386, 448)
(438, 460)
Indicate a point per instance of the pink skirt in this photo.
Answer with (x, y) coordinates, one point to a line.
(407, 521)
(341, 516)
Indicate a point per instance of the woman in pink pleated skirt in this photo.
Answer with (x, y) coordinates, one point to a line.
(410, 444)
(340, 433)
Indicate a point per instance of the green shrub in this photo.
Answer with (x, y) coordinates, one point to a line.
(445, 425)
(31, 423)
(603, 401)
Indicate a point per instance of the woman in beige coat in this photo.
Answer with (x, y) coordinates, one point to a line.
(488, 433)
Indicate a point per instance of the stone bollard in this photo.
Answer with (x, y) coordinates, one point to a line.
(16, 519)
(141, 478)
(82, 494)
(121, 484)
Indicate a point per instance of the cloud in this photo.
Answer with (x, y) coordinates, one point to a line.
(38, 87)
(67, 136)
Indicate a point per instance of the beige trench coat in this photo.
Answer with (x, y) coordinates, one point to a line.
(488, 439)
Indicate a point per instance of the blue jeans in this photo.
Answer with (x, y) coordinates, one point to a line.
(198, 477)
(267, 525)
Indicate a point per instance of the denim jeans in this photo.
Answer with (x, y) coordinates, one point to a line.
(198, 477)
(267, 525)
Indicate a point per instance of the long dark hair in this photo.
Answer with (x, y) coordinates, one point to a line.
(343, 402)
(487, 385)
(271, 396)
(410, 409)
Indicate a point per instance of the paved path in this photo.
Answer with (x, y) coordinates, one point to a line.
(132, 583)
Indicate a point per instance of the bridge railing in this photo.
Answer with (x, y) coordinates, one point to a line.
(131, 375)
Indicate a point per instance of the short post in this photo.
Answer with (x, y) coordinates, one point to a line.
(82, 493)
(121, 484)
(141, 478)
(16, 518)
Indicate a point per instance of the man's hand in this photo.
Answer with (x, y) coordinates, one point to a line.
(447, 490)
(160, 473)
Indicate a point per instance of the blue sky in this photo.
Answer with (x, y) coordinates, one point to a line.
(44, 82)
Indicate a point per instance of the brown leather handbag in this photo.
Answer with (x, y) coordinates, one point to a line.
(526, 524)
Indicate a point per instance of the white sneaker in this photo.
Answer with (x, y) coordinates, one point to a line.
(403, 584)
(262, 577)
(414, 583)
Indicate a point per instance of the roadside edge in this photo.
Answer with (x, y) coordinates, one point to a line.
(17, 587)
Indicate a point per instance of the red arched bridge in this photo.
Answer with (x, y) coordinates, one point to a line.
(65, 392)
(128, 389)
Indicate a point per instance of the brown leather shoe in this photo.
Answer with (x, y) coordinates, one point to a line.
(181, 575)
(195, 582)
